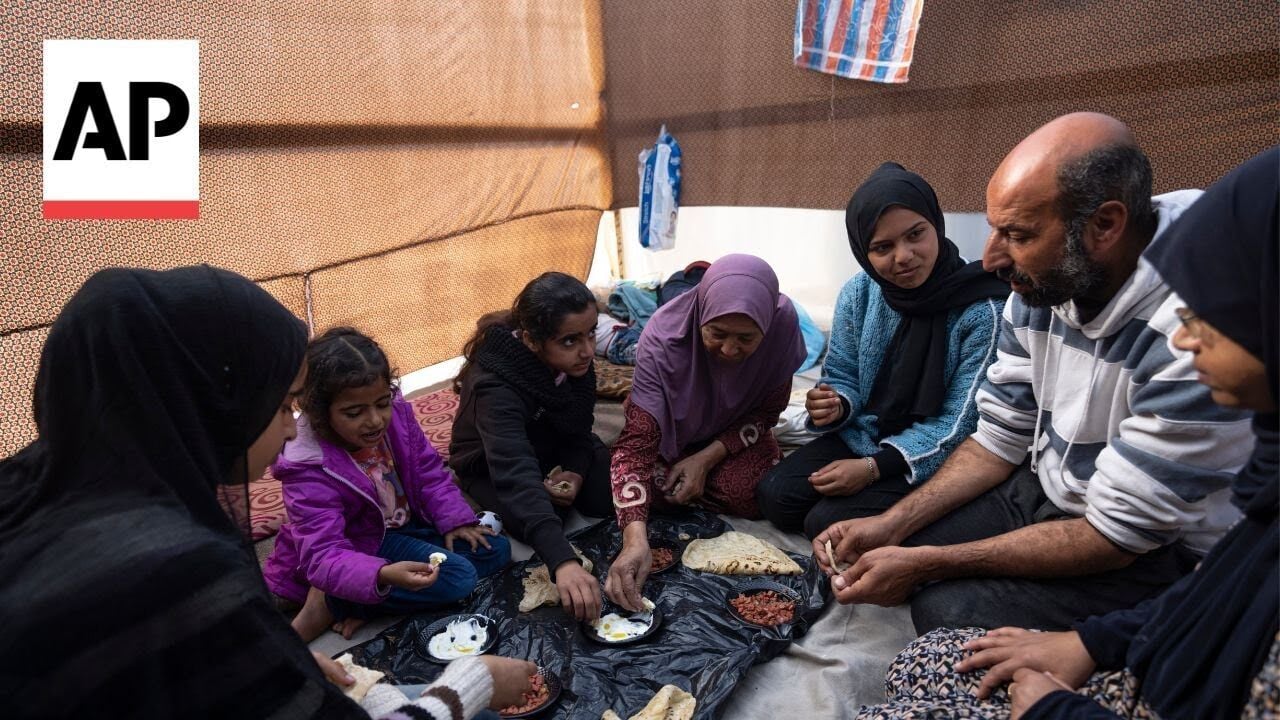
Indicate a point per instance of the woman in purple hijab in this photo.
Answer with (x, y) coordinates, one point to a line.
(713, 372)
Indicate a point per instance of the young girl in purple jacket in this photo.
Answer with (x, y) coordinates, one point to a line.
(369, 501)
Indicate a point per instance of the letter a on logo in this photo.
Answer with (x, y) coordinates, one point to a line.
(121, 129)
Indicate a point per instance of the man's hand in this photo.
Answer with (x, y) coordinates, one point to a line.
(1028, 687)
(510, 679)
(630, 569)
(1007, 650)
(884, 576)
(563, 487)
(841, 477)
(408, 575)
(333, 672)
(850, 538)
(473, 534)
(823, 405)
(579, 591)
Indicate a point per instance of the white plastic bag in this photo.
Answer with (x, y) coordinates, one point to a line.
(659, 192)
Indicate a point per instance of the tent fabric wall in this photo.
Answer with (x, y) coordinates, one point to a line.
(1196, 81)
(402, 167)
(405, 166)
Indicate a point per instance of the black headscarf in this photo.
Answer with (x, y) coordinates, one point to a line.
(569, 406)
(166, 379)
(1221, 258)
(1206, 642)
(127, 588)
(911, 384)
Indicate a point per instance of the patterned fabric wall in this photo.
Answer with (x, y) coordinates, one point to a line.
(1196, 80)
(400, 166)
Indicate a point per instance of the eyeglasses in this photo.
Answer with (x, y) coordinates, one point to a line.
(1191, 322)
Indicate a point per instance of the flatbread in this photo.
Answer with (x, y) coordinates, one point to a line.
(832, 561)
(365, 678)
(563, 486)
(669, 703)
(735, 553)
(539, 590)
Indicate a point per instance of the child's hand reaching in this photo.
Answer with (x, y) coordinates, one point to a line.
(408, 575)
(474, 534)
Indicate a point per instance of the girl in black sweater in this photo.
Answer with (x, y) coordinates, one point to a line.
(522, 441)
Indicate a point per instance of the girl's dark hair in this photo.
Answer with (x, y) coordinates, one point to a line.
(538, 310)
(341, 358)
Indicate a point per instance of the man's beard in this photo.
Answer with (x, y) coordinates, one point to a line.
(1075, 277)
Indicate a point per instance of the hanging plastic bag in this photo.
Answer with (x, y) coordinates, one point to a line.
(659, 192)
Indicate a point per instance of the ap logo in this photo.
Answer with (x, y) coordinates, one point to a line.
(121, 129)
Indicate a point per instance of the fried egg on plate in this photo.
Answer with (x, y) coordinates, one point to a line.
(614, 628)
(460, 638)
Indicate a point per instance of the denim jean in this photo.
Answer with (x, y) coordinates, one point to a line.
(458, 574)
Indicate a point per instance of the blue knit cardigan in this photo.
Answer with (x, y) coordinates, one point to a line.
(860, 332)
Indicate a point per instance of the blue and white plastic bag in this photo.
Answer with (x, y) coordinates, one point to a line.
(659, 192)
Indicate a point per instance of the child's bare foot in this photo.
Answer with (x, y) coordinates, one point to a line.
(347, 628)
(314, 617)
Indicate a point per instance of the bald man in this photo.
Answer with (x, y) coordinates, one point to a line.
(1099, 471)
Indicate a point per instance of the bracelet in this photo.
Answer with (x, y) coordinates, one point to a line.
(872, 469)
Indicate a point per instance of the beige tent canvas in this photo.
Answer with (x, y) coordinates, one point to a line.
(452, 151)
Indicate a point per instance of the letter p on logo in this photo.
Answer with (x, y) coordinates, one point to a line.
(121, 129)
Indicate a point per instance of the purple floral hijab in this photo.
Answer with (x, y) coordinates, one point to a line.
(693, 397)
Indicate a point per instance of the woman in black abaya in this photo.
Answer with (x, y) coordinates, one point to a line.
(128, 589)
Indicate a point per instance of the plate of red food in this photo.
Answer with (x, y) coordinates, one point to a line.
(544, 690)
(662, 556)
(763, 603)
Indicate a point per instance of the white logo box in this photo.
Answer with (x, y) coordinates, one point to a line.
(165, 185)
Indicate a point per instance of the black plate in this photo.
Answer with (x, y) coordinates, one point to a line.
(554, 687)
(675, 549)
(751, 587)
(590, 631)
(437, 627)
(675, 555)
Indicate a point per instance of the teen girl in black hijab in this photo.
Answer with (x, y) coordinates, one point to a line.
(126, 588)
(911, 384)
(909, 338)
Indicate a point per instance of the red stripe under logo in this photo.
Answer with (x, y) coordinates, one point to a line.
(121, 209)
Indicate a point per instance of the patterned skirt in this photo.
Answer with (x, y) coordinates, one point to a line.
(922, 683)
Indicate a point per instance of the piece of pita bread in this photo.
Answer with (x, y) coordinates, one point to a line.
(832, 561)
(735, 553)
(563, 486)
(669, 703)
(539, 590)
(365, 678)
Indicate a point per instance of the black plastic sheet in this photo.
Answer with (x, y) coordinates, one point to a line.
(702, 647)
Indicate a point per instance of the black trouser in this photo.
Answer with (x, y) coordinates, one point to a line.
(788, 500)
(594, 499)
(1049, 604)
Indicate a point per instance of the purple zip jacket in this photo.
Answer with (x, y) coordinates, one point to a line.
(335, 524)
